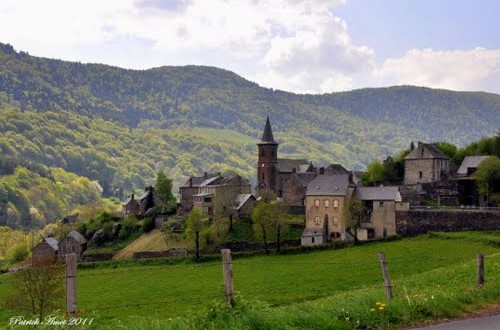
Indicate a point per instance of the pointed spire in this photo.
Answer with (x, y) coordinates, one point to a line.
(267, 136)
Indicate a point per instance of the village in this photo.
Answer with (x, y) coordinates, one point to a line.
(333, 201)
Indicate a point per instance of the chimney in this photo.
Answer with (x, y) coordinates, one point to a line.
(205, 175)
(132, 197)
(321, 170)
(190, 182)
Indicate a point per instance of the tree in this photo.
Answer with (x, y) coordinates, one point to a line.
(269, 220)
(226, 197)
(354, 215)
(262, 216)
(37, 289)
(280, 224)
(164, 189)
(195, 223)
(487, 176)
(374, 173)
(6, 235)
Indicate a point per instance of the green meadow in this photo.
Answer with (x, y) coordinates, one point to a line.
(433, 276)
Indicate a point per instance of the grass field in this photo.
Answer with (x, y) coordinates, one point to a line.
(420, 268)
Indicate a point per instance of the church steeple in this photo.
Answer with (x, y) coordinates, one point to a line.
(267, 136)
(267, 160)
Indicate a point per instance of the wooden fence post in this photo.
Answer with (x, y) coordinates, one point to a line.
(71, 284)
(227, 268)
(385, 274)
(480, 270)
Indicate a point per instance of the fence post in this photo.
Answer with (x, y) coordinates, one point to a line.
(385, 274)
(71, 284)
(480, 270)
(227, 268)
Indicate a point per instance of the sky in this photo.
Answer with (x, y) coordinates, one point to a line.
(315, 46)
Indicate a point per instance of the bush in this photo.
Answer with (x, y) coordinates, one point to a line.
(148, 225)
(19, 252)
(129, 227)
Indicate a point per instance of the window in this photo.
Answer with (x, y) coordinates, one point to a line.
(316, 202)
(335, 203)
(381, 204)
(420, 174)
(316, 221)
(262, 154)
(312, 239)
(262, 176)
(327, 203)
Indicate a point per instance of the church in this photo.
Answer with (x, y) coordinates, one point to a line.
(287, 178)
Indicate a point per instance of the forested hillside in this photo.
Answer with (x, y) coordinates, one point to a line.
(121, 127)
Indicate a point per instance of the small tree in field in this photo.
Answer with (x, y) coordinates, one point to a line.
(195, 223)
(354, 215)
(37, 290)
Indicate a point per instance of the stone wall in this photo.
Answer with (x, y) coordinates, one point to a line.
(415, 222)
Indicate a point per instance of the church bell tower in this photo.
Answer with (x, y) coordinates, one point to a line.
(268, 158)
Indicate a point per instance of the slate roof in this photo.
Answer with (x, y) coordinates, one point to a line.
(52, 242)
(143, 196)
(77, 236)
(308, 232)
(336, 169)
(241, 199)
(377, 194)
(198, 180)
(430, 151)
(267, 136)
(470, 162)
(328, 185)
(128, 200)
(305, 178)
(209, 181)
(286, 165)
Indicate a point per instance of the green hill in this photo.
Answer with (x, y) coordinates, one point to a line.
(122, 126)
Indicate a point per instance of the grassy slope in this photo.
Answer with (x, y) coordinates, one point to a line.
(167, 291)
(152, 241)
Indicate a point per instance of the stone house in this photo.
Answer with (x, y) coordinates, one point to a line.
(219, 195)
(381, 204)
(191, 188)
(74, 242)
(143, 206)
(425, 164)
(130, 206)
(45, 251)
(326, 197)
(467, 187)
(245, 205)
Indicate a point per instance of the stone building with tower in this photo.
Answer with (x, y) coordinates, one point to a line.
(287, 178)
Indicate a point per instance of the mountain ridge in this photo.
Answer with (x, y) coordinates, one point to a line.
(94, 105)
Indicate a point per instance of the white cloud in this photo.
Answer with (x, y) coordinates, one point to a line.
(474, 69)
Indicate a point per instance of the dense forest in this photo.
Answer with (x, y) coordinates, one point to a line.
(121, 127)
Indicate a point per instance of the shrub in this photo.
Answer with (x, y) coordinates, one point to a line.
(129, 227)
(148, 225)
(19, 252)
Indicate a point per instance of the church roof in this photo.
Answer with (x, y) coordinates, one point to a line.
(267, 136)
(287, 165)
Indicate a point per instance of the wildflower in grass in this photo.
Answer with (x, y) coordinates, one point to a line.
(372, 310)
(382, 305)
(378, 303)
(381, 308)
